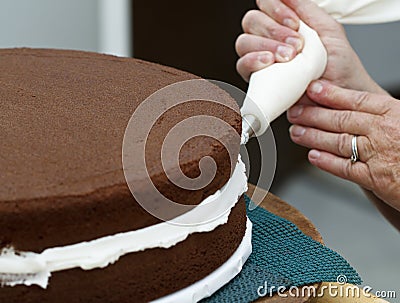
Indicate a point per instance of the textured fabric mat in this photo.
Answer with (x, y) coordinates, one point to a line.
(282, 256)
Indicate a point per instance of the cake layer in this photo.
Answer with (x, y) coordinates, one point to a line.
(63, 116)
(142, 276)
(29, 268)
(209, 285)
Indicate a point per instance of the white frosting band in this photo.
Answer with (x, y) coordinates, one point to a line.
(30, 268)
(218, 278)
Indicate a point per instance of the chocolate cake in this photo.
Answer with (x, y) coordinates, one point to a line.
(63, 116)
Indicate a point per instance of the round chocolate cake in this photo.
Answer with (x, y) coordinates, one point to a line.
(63, 116)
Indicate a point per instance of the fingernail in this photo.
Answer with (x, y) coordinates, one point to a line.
(265, 58)
(297, 43)
(295, 111)
(284, 53)
(289, 22)
(297, 131)
(316, 87)
(314, 154)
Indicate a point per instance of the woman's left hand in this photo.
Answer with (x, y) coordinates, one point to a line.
(328, 126)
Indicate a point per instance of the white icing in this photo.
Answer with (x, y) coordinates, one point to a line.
(218, 278)
(30, 268)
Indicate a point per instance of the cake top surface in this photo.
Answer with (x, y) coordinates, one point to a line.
(63, 116)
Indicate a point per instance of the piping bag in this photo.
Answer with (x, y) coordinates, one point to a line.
(276, 88)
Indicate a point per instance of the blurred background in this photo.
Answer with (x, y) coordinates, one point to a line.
(199, 36)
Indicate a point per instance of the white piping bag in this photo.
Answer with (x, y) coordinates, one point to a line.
(276, 88)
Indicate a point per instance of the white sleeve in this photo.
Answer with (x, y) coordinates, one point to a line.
(362, 11)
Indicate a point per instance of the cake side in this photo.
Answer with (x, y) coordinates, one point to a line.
(142, 276)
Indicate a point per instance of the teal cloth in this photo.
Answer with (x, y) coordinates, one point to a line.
(282, 256)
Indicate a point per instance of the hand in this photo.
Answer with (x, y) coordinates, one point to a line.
(271, 36)
(328, 129)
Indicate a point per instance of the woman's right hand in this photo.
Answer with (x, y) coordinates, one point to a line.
(270, 35)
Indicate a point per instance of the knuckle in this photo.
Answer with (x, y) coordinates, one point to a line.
(277, 32)
(245, 21)
(242, 38)
(386, 124)
(343, 144)
(244, 62)
(388, 104)
(240, 43)
(330, 94)
(359, 175)
(367, 149)
(272, 32)
(266, 6)
(241, 70)
(380, 179)
(265, 45)
(347, 169)
(239, 65)
(361, 99)
(248, 61)
(341, 119)
(277, 11)
(249, 19)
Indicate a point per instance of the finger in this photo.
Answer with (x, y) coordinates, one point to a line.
(315, 17)
(257, 23)
(337, 144)
(336, 97)
(337, 121)
(247, 43)
(253, 62)
(280, 13)
(304, 100)
(341, 167)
